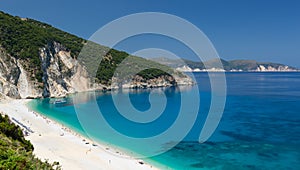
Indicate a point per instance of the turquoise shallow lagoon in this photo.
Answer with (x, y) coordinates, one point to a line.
(260, 127)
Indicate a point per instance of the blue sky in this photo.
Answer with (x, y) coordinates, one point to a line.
(263, 30)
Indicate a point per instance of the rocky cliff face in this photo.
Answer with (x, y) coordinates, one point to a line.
(9, 75)
(263, 68)
(61, 75)
(139, 82)
(39, 60)
(27, 87)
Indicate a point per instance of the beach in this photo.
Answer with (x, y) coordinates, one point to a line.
(54, 142)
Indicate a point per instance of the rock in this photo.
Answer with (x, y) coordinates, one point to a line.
(62, 75)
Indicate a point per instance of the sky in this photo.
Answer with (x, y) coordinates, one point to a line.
(262, 30)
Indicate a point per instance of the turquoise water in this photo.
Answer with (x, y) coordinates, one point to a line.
(260, 127)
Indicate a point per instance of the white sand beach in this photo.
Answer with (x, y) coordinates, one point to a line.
(55, 142)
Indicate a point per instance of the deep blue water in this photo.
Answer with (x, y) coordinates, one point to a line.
(259, 129)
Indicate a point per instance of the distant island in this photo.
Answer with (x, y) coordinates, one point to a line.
(227, 66)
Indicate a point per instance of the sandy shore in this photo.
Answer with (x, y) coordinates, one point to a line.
(55, 142)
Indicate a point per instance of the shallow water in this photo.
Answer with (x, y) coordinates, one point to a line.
(260, 127)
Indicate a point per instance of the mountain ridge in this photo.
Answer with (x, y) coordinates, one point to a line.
(227, 66)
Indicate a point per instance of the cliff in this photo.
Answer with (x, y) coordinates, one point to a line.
(61, 74)
(38, 60)
(9, 75)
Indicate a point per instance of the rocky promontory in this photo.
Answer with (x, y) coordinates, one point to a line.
(38, 60)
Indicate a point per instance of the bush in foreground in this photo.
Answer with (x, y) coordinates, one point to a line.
(16, 151)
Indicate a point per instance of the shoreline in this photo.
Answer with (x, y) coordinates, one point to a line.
(53, 141)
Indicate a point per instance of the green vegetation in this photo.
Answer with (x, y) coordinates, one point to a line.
(23, 39)
(104, 63)
(108, 65)
(15, 151)
(124, 67)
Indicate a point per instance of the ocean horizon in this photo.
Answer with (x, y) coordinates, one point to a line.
(259, 129)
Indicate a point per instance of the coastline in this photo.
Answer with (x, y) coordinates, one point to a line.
(54, 142)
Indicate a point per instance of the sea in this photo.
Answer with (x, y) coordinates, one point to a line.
(258, 129)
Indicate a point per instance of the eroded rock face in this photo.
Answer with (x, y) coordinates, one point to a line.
(61, 73)
(27, 87)
(139, 82)
(262, 68)
(9, 75)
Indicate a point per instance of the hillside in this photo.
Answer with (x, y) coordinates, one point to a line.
(38, 60)
(15, 151)
(233, 65)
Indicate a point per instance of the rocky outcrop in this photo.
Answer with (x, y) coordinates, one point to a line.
(188, 69)
(61, 73)
(9, 75)
(281, 68)
(28, 88)
(38, 60)
(139, 82)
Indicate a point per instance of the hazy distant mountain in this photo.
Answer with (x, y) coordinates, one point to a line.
(233, 65)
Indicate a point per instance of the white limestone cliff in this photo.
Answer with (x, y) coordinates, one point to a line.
(262, 68)
(61, 75)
